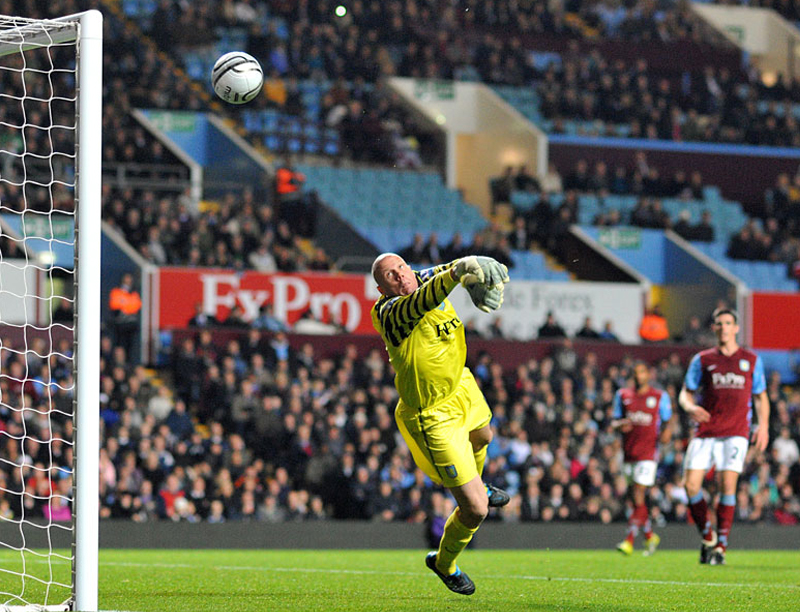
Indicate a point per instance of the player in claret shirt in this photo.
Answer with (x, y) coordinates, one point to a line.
(642, 414)
(718, 393)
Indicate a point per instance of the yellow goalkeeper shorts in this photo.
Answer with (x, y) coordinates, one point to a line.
(438, 435)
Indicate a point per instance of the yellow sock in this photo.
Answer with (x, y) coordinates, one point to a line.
(480, 459)
(455, 538)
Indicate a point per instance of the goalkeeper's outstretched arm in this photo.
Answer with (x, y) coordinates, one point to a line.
(407, 295)
(486, 295)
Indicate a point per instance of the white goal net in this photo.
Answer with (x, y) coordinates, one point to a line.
(50, 122)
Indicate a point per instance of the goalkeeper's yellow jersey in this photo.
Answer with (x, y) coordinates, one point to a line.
(424, 337)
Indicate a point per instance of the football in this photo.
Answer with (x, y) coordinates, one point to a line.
(237, 77)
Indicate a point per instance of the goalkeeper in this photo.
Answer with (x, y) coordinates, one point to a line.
(442, 413)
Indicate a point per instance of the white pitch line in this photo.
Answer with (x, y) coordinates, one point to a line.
(240, 568)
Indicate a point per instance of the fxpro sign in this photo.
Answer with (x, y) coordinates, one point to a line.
(347, 299)
(341, 298)
(526, 304)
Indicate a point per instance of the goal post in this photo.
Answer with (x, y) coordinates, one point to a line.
(37, 176)
(88, 271)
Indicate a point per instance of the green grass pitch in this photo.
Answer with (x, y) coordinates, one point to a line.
(397, 581)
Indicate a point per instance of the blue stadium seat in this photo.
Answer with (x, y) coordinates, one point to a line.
(273, 142)
(331, 147)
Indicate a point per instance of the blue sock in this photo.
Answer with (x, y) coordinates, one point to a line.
(696, 498)
(728, 500)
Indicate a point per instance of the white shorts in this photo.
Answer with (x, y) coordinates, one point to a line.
(725, 454)
(641, 472)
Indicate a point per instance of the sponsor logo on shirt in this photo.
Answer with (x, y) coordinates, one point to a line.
(729, 380)
(446, 328)
(641, 418)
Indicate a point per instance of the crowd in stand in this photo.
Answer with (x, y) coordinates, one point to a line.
(715, 106)
(254, 430)
(241, 232)
(374, 39)
(427, 38)
(541, 220)
(776, 236)
(492, 241)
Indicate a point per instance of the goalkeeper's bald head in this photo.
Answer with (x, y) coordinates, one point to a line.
(376, 265)
(393, 275)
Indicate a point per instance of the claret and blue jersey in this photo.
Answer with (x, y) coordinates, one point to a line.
(724, 386)
(646, 411)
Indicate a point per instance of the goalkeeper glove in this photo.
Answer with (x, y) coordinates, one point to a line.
(486, 298)
(468, 271)
(494, 273)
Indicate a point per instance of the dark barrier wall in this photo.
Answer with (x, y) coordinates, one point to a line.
(375, 535)
(507, 353)
(758, 167)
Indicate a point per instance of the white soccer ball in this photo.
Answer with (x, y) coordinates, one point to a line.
(237, 77)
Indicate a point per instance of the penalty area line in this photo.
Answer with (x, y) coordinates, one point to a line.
(311, 570)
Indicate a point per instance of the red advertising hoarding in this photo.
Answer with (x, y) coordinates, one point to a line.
(776, 321)
(343, 298)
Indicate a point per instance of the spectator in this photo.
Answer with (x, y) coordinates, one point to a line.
(262, 260)
(607, 332)
(551, 181)
(704, 230)
(524, 181)
(235, 318)
(578, 179)
(653, 327)
(293, 207)
(125, 303)
(683, 227)
(308, 323)
(695, 334)
(63, 312)
(785, 448)
(587, 332)
(267, 320)
(202, 318)
(502, 186)
(454, 249)
(550, 328)
(417, 251)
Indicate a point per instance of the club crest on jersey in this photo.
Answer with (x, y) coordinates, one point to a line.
(744, 365)
(651, 402)
(451, 471)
